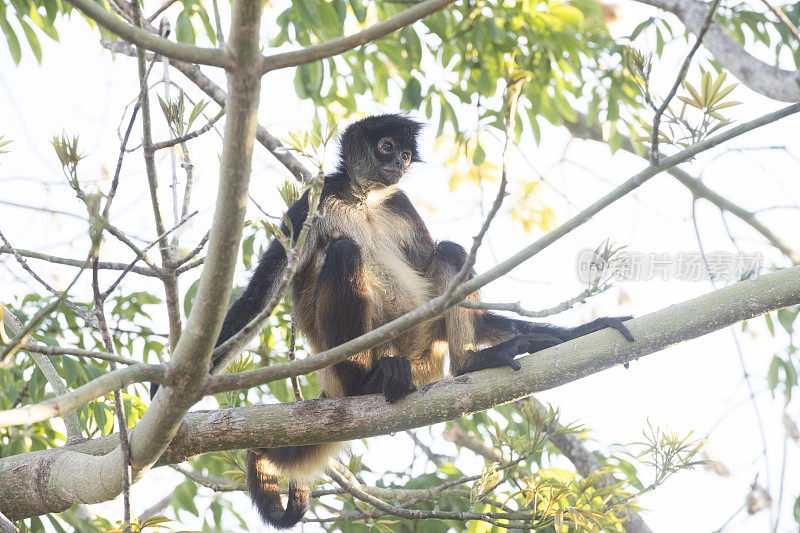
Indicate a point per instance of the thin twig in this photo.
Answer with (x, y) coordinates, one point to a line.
(189, 136)
(512, 96)
(784, 19)
(166, 5)
(77, 352)
(114, 182)
(517, 308)
(739, 352)
(415, 514)
(168, 277)
(19, 340)
(24, 264)
(122, 423)
(681, 76)
(180, 262)
(217, 484)
(218, 22)
(74, 432)
(133, 263)
(143, 271)
(780, 485)
(43, 209)
(145, 39)
(334, 47)
(116, 232)
(295, 380)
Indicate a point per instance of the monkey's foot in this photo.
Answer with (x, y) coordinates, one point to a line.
(503, 354)
(397, 380)
(614, 322)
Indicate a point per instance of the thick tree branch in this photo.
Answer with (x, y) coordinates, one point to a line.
(763, 78)
(145, 39)
(6, 526)
(35, 483)
(334, 47)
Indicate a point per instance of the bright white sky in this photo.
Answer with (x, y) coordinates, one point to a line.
(693, 386)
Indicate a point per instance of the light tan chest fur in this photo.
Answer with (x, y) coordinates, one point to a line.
(394, 286)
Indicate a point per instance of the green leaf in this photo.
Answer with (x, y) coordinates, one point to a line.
(184, 31)
(479, 156)
(786, 318)
(308, 80)
(45, 25)
(196, 110)
(11, 40)
(796, 510)
(99, 413)
(188, 300)
(359, 10)
(770, 325)
(772, 373)
(203, 14)
(33, 40)
(412, 95)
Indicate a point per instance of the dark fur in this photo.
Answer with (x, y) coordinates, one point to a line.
(370, 259)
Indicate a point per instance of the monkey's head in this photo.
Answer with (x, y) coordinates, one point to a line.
(378, 150)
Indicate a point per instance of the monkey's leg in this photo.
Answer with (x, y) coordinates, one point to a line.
(391, 376)
(342, 314)
(467, 328)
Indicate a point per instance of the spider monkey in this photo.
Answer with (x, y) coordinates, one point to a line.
(369, 259)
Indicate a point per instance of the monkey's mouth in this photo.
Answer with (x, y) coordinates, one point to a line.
(391, 174)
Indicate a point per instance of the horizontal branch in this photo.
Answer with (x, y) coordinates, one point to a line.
(101, 386)
(145, 39)
(77, 262)
(77, 352)
(763, 78)
(338, 419)
(516, 307)
(189, 136)
(334, 47)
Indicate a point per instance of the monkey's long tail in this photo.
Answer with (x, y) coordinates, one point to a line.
(264, 468)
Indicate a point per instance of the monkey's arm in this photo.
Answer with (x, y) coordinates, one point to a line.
(263, 282)
(261, 285)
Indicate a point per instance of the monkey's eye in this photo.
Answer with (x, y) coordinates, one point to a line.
(385, 145)
(406, 156)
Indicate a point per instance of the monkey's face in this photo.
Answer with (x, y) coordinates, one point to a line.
(393, 159)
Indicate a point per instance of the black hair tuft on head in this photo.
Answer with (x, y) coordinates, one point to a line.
(402, 128)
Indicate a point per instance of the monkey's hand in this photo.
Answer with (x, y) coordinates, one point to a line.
(397, 380)
(614, 322)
